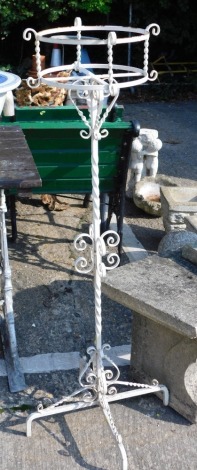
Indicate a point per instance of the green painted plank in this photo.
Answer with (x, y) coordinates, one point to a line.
(75, 172)
(53, 142)
(68, 157)
(62, 157)
(26, 113)
(72, 186)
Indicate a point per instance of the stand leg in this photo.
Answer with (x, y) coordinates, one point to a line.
(15, 375)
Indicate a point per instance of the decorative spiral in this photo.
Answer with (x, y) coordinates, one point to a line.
(112, 239)
(81, 265)
(81, 94)
(90, 395)
(113, 377)
(106, 347)
(85, 134)
(80, 244)
(112, 390)
(33, 82)
(110, 376)
(91, 351)
(153, 28)
(27, 34)
(87, 371)
(155, 382)
(153, 75)
(98, 135)
(91, 377)
(113, 259)
(40, 407)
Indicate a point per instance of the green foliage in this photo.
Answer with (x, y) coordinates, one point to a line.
(102, 6)
(48, 11)
(177, 21)
(16, 11)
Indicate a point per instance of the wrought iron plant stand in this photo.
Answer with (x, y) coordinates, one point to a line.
(98, 386)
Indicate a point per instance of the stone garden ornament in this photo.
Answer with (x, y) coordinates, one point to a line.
(98, 386)
(144, 157)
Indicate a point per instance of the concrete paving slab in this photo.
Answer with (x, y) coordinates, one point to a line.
(154, 438)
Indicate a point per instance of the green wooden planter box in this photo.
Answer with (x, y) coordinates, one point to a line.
(63, 157)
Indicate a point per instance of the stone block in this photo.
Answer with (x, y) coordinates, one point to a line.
(177, 203)
(171, 358)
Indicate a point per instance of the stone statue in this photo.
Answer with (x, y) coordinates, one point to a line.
(143, 158)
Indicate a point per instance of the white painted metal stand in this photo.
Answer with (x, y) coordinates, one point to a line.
(8, 82)
(14, 370)
(97, 385)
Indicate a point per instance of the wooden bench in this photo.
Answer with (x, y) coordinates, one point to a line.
(63, 158)
(161, 293)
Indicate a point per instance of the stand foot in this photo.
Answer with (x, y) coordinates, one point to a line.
(56, 409)
(91, 397)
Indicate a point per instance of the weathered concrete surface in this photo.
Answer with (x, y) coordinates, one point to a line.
(190, 252)
(154, 436)
(164, 331)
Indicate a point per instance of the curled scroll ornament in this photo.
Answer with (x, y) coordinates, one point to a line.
(82, 264)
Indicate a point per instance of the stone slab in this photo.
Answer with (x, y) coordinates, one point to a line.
(159, 288)
(182, 199)
(162, 294)
(191, 223)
